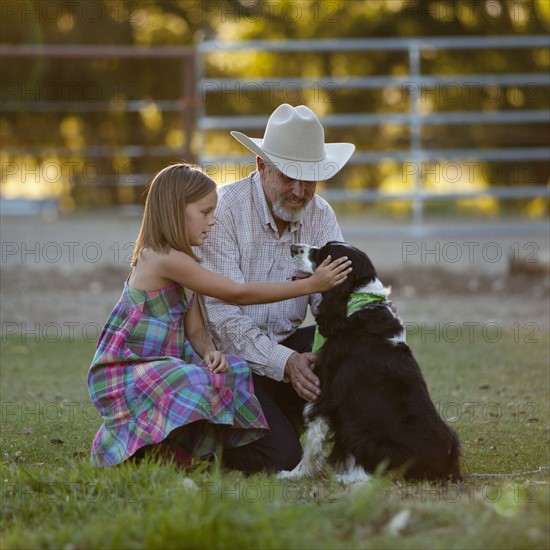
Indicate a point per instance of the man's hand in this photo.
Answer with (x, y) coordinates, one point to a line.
(298, 369)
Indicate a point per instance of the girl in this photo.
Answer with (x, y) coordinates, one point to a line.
(156, 377)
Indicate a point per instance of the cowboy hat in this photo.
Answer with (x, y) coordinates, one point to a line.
(294, 142)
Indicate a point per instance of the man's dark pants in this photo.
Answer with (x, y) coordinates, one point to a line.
(280, 449)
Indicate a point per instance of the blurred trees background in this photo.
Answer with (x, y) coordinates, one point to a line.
(68, 124)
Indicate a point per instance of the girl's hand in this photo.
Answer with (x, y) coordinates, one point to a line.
(330, 273)
(216, 361)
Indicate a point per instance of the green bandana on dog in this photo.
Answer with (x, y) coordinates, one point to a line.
(357, 301)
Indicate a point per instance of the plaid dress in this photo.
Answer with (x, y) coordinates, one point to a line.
(150, 386)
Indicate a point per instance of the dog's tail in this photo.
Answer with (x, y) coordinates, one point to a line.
(453, 461)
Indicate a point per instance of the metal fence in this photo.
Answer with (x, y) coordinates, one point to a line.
(184, 106)
(412, 83)
(195, 88)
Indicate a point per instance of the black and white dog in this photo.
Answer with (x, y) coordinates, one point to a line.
(374, 405)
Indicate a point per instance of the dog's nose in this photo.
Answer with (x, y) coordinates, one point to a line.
(294, 249)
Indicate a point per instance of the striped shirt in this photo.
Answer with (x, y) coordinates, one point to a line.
(245, 246)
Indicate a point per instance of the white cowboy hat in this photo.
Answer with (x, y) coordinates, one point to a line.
(294, 142)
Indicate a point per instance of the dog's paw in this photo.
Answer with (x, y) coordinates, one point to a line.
(290, 474)
(353, 477)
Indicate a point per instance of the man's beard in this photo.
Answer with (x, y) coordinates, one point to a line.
(286, 215)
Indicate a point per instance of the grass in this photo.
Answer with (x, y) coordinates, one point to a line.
(495, 394)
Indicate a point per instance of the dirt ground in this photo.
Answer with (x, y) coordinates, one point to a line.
(66, 276)
(79, 301)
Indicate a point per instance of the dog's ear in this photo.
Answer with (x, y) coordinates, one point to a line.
(332, 315)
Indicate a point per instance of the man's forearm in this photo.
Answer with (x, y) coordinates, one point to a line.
(236, 334)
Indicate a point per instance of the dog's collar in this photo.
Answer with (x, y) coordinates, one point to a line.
(360, 300)
(356, 302)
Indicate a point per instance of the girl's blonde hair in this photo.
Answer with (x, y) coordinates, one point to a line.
(163, 226)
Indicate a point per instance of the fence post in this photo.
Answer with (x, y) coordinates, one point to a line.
(415, 130)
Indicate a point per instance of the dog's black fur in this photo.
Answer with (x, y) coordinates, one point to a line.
(373, 395)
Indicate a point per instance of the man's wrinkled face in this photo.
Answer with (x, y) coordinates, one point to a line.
(287, 197)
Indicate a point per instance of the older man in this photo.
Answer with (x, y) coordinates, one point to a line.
(257, 219)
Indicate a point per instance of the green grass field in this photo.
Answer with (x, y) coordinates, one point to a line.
(494, 393)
